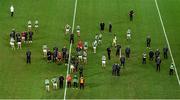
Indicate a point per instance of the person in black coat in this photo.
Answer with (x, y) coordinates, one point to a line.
(64, 50)
(61, 81)
(148, 41)
(122, 60)
(158, 63)
(71, 38)
(151, 55)
(109, 53)
(128, 51)
(118, 47)
(110, 27)
(102, 25)
(28, 56)
(131, 14)
(165, 50)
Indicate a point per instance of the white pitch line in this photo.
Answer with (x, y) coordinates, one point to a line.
(74, 17)
(167, 41)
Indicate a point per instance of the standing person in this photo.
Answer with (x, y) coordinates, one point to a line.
(128, 51)
(36, 25)
(117, 69)
(103, 61)
(131, 14)
(151, 55)
(29, 25)
(114, 43)
(148, 41)
(81, 82)
(30, 36)
(118, 48)
(18, 40)
(171, 69)
(67, 29)
(69, 78)
(128, 34)
(80, 70)
(144, 58)
(75, 81)
(109, 53)
(122, 60)
(61, 80)
(28, 56)
(158, 63)
(72, 38)
(165, 50)
(110, 27)
(114, 69)
(12, 10)
(94, 44)
(64, 50)
(49, 56)
(157, 54)
(78, 30)
(102, 25)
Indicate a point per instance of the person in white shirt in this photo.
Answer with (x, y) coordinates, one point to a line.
(29, 25)
(12, 10)
(103, 61)
(128, 34)
(36, 25)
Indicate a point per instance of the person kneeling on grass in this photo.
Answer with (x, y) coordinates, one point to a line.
(75, 81)
(54, 82)
(47, 85)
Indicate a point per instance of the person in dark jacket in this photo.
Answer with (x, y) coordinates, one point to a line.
(28, 56)
(122, 60)
(131, 14)
(102, 25)
(61, 81)
(128, 51)
(109, 53)
(165, 50)
(110, 27)
(158, 63)
(118, 48)
(71, 38)
(148, 41)
(151, 55)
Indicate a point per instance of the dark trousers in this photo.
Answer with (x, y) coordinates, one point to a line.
(144, 61)
(12, 14)
(131, 17)
(69, 84)
(171, 72)
(81, 85)
(28, 60)
(110, 29)
(60, 85)
(72, 40)
(122, 63)
(109, 56)
(127, 55)
(118, 72)
(165, 55)
(80, 73)
(117, 53)
(158, 67)
(151, 58)
(113, 72)
(75, 85)
(148, 45)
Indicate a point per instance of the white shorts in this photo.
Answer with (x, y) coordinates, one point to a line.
(103, 62)
(78, 31)
(23, 38)
(29, 26)
(12, 43)
(36, 26)
(94, 47)
(47, 87)
(128, 35)
(67, 30)
(85, 48)
(19, 43)
(55, 84)
(45, 51)
(80, 57)
(84, 58)
(72, 67)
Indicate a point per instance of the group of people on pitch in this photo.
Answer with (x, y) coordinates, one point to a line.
(23, 37)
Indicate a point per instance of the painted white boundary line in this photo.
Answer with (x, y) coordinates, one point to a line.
(74, 17)
(167, 41)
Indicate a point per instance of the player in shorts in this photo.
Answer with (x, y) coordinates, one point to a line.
(29, 25)
(67, 29)
(85, 57)
(103, 61)
(85, 46)
(128, 34)
(100, 39)
(36, 25)
(78, 30)
(45, 48)
(94, 45)
(12, 43)
(114, 40)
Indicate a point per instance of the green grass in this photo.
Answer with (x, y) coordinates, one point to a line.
(19, 80)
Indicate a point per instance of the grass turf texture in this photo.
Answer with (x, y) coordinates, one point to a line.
(19, 80)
